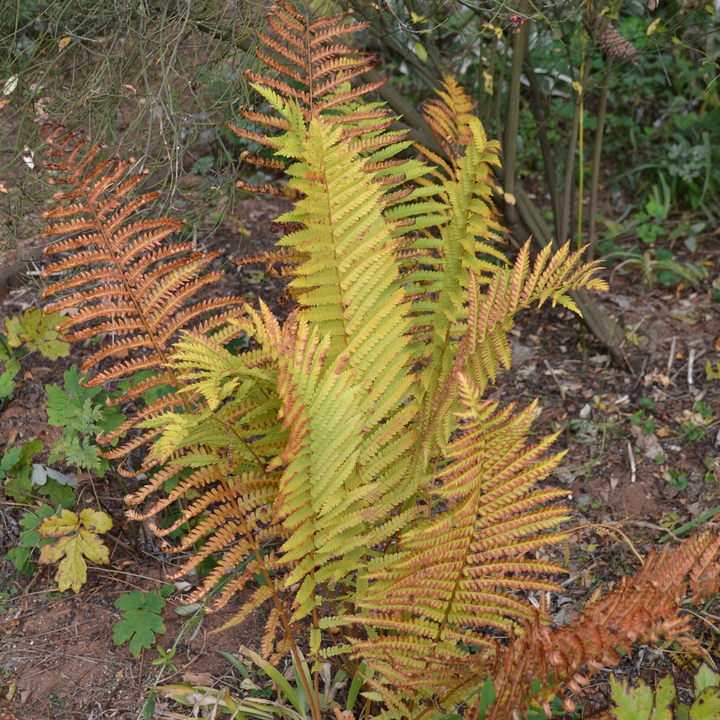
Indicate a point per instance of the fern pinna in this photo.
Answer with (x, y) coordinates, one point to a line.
(347, 457)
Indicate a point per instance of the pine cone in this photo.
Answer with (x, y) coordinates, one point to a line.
(616, 45)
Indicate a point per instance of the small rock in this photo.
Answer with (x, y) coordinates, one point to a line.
(584, 499)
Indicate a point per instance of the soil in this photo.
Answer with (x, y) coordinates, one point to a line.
(57, 654)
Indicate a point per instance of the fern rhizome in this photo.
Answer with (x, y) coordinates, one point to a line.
(347, 456)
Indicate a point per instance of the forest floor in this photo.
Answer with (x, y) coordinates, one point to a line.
(641, 463)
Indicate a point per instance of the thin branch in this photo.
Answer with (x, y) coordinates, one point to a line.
(597, 155)
(538, 109)
(512, 119)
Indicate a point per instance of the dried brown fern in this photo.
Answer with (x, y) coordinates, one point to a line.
(310, 53)
(644, 608)
(126, 281)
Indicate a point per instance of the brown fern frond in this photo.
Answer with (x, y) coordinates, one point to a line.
(131, 280)
(451, 578)
(447, 118)
(642, 609)
(305, 51)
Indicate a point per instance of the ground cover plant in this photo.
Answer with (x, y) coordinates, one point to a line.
(346, 463)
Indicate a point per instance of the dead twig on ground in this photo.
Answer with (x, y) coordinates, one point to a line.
(557, 382)
(633, 470)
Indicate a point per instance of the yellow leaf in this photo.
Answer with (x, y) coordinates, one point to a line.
(3, 103)
(417, 18)
(710, 373)
(3, 189)
(509, 198)
(76, 540)
(496, 30)
(653, 26)
(10, 85)
(577, 87)
(488, 82)
(64, 42)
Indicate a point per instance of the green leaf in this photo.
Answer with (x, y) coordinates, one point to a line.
(664, 699)
(632, 703)
(20, 557)
(487, 698)
(707, 705)
(7, 384)
(141, 621)
(275, 675)
(35, 329)
(705, 678)
(421, 52)
(236, 663)
(9, 460)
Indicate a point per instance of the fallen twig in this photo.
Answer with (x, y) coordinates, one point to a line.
(557, 382)
(671, 357)
(633, 471)
(691, 363)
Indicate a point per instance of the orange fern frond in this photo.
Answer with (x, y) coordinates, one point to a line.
(120, 271)
(457, 574)
(305, 51)
(448, 117)
(642, 609)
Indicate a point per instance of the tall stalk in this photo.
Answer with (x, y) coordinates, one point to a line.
(570, 166)
(538, 110)
(597, 155)
(581, 149)
(499, 90)
(512, 119)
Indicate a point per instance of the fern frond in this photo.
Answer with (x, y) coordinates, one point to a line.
(451, 576)
(305, 51)
(133, 283)
(642, 609)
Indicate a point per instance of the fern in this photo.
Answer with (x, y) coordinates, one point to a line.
(348, 458)
(456, 574)
(120, 273)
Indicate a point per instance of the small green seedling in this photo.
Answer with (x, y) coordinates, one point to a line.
(142, 619)
(30, 539)
(675, 478)
(23, 478)
(165, 659)
(83, 414)
(648, 425)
